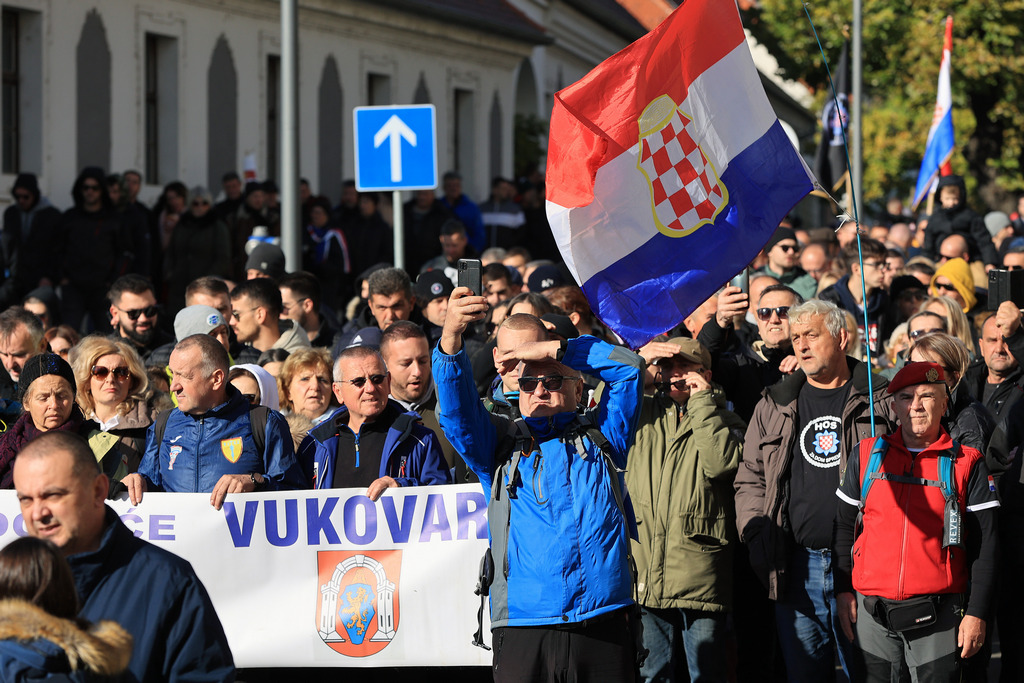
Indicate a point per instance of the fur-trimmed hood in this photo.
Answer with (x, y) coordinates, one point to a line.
(103, 648)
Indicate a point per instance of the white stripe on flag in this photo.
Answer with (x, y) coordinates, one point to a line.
(730, 112)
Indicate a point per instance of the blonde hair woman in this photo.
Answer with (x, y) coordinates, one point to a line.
(956, 321)
(113, 388)
(304, 385)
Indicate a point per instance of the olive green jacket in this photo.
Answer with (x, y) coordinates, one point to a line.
(680, 479)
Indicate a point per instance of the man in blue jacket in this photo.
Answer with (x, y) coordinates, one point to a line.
(371, 441)
(154, 594)
(207, 444)
(562, 587)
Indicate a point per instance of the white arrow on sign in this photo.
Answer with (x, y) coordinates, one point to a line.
(394, 130)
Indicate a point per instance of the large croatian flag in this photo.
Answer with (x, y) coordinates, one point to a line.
(668, 171)
(939, 149)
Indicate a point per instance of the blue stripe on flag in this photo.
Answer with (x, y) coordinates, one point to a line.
(652, 289)
(938, 151)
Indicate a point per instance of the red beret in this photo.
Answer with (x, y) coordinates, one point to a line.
(921, 372)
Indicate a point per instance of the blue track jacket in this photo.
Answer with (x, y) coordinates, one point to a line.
(198, 449)
(416, 460)
(567, 555)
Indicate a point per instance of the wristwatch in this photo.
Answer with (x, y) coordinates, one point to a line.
(257, 479)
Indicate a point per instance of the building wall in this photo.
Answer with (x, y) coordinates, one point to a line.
(488, 76)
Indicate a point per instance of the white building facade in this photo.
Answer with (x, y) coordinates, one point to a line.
(184, 89)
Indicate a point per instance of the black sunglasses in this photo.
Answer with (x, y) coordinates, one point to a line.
(765, 314)
(120, 372)
(253, 399)
(358, 382)
(789, 247)
(552, 383)
(946, 287)
(148, 311)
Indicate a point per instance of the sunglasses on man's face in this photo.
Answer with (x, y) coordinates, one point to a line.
(358, 382)
(765, 314)
(552, 383)
(945, 287)
(89, 187)
(121, 372)
(148, 311)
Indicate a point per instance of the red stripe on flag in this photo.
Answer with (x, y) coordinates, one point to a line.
(595, 119)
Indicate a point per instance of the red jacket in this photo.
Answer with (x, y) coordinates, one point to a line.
(899, 553)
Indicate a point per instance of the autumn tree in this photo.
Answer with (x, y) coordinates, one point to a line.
(902, 48)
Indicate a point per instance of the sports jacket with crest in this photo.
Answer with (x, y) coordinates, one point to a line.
(411, 456)
(566, 558)
(198, 449)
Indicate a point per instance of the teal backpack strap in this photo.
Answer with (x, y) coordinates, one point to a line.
(951, 528)
(878, 450)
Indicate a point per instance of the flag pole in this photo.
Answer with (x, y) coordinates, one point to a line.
(856, 215)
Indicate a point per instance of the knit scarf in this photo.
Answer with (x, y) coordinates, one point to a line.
(20, 433)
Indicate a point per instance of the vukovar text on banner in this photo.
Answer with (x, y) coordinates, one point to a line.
(668, 171)
(352, 583)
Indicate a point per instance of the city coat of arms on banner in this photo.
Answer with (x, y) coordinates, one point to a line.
(357, 606)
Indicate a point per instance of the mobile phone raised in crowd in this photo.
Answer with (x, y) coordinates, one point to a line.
(469, 275)
(742, 280)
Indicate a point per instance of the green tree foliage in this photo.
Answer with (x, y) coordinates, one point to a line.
(902, 49)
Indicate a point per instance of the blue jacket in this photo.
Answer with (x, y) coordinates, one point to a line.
(414, 460)
(205, 447)
(157, 597)
(567, 554)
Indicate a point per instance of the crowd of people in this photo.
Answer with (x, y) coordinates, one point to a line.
(696, 508)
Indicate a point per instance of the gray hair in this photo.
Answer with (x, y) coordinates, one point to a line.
(354, 352)
(834, 317)
(14, 317)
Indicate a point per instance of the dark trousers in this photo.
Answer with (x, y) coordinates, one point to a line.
(597, 650)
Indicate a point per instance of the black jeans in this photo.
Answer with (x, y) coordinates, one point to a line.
(597, 650)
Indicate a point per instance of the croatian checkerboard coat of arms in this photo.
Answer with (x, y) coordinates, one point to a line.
(686, 192)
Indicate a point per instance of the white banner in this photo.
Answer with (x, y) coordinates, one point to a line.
(327, 578)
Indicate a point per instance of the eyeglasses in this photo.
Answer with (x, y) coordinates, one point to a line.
(552, 383)
(120, 372)
(200, 202)
(881, 265)
(253, 399)
(148, 311)
(789, 247)
(288, 306)
(90, 187)
(945, 286)
(238, 316)
(920, 333)
(358, 382)
(765, 314)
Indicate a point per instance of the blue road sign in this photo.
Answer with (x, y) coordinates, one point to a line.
(396, 148)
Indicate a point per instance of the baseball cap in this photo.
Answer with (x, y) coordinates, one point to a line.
(692, 350)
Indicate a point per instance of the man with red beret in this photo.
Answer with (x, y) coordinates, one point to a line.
(917, 590)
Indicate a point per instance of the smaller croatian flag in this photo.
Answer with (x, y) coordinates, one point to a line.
(668, 171)
(939, 149)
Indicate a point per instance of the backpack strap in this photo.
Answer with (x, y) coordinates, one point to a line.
(878, 451)
(258, 416)
(160, 426)
(951, 534)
